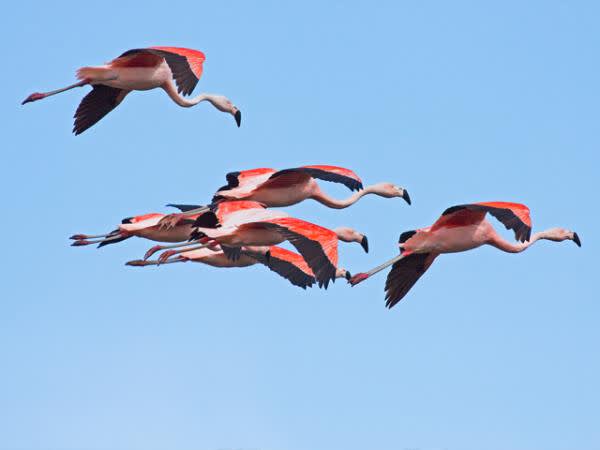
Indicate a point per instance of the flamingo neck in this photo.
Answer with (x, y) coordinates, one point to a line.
(517, 247)
(331, 202)
(184, 102)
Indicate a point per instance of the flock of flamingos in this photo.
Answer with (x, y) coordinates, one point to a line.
(239, 228)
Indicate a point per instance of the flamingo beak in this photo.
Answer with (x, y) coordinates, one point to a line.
(364, 243)
(405, 196)
(238, 117)
(348, 275)
(576, 239)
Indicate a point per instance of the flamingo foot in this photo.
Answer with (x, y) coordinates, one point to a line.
(138, 263)
(81, 242)
(170, 221)
(359, 277)
(166, 255)
(152, 251)
(34, 97)
(78, 237)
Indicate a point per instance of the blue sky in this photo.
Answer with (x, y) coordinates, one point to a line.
(457, 101)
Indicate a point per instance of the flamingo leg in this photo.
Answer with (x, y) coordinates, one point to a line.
(171, 220)
(79, 237)
(362, 276)
(158, 248)
(154, 262)
(165, 256)
(86, 241)
(40, 95)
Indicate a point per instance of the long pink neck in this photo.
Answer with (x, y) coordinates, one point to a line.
(517, 247)
(331, 202)
(169, 88)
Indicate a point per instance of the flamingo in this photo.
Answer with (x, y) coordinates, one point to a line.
(144, 226)
(460, 228)
(140, 69)
(288, 264)
(279, 188)
(258, 226)
(147, 225)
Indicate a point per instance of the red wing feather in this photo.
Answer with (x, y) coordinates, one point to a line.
(185, 63)
(514, 216)
(317, 245)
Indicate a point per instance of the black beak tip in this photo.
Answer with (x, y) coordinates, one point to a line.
(576, 239)
(348, 275)
(365, 244)
(406, 197)
(238, 117)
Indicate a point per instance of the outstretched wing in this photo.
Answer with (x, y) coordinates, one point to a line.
(404, 275)
(328, 173)
(514, 216)
(95, 105)
(317, 245)
(289, 265)
(242, 184)
(185, 63)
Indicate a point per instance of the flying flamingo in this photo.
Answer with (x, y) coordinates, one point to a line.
(290, 186)
(147, 225)
(140, 70)
(261, 227)
(288, 264)
(460, 228)
(144, 226)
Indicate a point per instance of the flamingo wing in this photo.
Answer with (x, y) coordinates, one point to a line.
(185, 63)
(242, 184)
(183, 208)
(317, 245)
(95, 105)
(404, 275)
(289, 265)
(514, 216)
(327, 173)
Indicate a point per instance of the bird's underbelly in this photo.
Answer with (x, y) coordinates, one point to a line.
(178, 234)
(452, 240)
(281, 197)
(220, 260)
(139, 78)
(253, 237)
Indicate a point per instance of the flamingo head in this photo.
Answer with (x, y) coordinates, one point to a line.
(223, 104)
(342, 273)
(391, 190)
(348, 234)
(562, 234)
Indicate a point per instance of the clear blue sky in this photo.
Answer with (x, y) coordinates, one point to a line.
(457, 101)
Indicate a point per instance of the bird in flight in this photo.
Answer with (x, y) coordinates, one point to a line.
(460, 228)
(140, 69)
(254, 225)
(279, 188)
(287, 264)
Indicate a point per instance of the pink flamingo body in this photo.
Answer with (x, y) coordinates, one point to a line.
(284, 262)
(140, 70)
(280, 188)
(144, 226)
(460, 228)
(261, 227)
